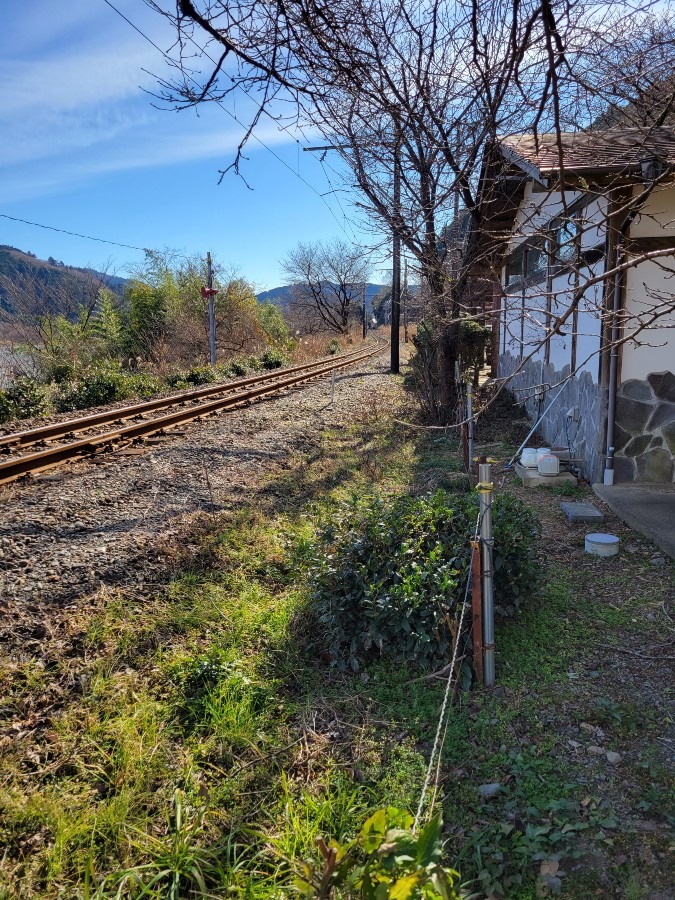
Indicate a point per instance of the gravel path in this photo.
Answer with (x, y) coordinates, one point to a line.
(105, 522)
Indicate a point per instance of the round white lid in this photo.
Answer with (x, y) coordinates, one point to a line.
(600, 538)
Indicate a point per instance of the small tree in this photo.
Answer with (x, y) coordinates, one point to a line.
(326, 283)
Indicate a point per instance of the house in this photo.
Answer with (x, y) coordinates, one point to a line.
(581, 228)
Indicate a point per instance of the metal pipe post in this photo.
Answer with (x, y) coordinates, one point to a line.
(212, 312)
(477, 611)
(404, 300)
(332, 387)
(487, 547)
(365, 323)
(469, 417)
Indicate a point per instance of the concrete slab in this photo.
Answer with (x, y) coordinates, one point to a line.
(648, 508)
(532, 478)
(582, 512)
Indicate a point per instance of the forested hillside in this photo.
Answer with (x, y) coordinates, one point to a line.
(47, 279)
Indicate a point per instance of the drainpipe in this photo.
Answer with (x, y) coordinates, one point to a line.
(608, 477)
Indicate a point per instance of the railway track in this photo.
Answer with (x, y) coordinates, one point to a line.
(193, 404)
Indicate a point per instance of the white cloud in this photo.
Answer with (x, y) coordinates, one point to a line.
(148, 150)
(78, 110)
(61, 84)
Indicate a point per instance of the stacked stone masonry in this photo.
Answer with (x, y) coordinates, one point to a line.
(645, 418)
(583, 430)
(645, 429)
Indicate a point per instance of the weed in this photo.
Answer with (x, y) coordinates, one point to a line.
(178, 863)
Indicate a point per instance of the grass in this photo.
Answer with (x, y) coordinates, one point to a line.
(193, 747)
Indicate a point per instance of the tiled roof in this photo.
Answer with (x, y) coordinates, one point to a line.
(613, 150)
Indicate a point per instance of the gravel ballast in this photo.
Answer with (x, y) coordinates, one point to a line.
(105, 522)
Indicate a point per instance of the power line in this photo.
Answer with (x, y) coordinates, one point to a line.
(87, 237)
(230, 113)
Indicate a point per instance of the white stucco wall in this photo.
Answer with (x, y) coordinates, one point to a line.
(648, 285)
(657, 215)
(536, 209)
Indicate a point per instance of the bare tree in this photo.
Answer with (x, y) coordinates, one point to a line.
(327, 281)
(423, 91)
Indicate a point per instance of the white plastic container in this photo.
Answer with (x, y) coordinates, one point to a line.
(602, 544)
(548, 464)
(543, 451)
(528, 458)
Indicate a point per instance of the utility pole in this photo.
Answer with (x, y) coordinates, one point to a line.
(212, 310)
(365, 324)
(405, 301)
(396, 261)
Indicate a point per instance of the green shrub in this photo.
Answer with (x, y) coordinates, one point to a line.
(386, 859)
(239, 367)
(332, 347)
(273, 359)
(105, 386)
(223, 371)
(473, 341)
(59, 372)
(177, 380)
(29, 398)
(388, 575)
(7, 410)
(200, 375)
(142, 385)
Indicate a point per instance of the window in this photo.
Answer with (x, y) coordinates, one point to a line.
(536, 257)
(529, 262)
(514, 267)
(565, 238)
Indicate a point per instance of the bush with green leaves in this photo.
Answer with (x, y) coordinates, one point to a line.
(239, 367)
(273, 359)
(333, 347)
(473, 341)
(28, 397)
(105, 386)
(385, 860)
(6, 407)
(388, 575)
(200, 375)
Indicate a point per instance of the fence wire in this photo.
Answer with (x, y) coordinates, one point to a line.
(438, 741)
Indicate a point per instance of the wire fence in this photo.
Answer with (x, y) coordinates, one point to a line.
(441, 727)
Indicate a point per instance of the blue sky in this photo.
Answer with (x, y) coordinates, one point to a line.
(83, 149)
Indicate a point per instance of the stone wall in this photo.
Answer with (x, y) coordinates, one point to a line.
(585, 433)
(645, 429)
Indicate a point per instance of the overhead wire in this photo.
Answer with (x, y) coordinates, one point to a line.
(87, 237)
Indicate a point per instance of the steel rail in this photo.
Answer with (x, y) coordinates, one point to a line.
(47, 459)
(83, 423)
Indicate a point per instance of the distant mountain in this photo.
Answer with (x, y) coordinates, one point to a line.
(48, 281)
(280, 296)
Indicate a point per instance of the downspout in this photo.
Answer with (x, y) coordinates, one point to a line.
(608, 477)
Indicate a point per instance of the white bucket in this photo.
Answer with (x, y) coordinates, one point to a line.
(528, 458)
(602, 544)
(543, 451)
